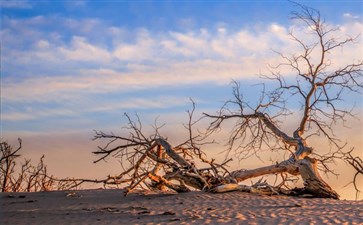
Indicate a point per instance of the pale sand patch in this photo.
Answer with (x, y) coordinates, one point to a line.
(111, 207)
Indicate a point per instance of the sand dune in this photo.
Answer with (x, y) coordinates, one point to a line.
(111, 207)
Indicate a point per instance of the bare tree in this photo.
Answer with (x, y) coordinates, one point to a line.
(7, 164)
(18, 176)
(150, 162)
(317, 86)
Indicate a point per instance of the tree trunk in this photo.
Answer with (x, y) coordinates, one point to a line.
(313, 183)
(307, 168)
(285, 166)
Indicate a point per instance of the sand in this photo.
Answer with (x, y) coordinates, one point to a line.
(111, 207)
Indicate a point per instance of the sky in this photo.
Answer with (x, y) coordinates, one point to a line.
(71, 67)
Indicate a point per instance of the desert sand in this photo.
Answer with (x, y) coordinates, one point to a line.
(112, 207)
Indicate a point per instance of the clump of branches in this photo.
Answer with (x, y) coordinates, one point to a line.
(150, 162)
(20, 175)
(357, 163)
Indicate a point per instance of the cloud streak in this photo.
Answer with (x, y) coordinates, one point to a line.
(77, 107)
(49, 68)
(15, 4)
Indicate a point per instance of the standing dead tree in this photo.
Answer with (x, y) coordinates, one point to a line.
(150, 162)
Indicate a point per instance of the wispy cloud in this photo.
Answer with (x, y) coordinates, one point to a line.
(23, 4)
(48, 67)
(80, 105)
(81, 50)
(350, 16)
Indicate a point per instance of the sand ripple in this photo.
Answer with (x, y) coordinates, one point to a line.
(111, 207)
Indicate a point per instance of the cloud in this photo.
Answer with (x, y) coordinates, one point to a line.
(31, 115)
(24, 4)
(16, 116)
(81, 50)
(42, 66)
(83, 25)
(143, 49)
(72, 5)
(80, 105)
(350, 16)
(42, 44)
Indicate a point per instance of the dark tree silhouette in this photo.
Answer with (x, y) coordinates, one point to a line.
(7, 164)
(19, 175)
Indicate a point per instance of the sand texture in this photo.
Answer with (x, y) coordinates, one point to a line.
(111, 207)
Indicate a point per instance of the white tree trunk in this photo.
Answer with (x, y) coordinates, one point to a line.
(313, 182)
(306, 167)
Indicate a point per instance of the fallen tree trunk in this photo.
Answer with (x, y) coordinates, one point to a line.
(306, 167)
(314, 185)
(187, 174)
(283, 167)
(160, 166)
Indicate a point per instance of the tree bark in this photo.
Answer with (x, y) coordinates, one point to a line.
(313, 182)
(285, 166)
(307, 168)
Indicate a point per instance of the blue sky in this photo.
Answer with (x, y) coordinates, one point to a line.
(74, 66)
(66, 60)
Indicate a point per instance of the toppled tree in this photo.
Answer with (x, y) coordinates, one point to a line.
(151, 162)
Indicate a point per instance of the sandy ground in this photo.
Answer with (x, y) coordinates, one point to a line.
(111, 207)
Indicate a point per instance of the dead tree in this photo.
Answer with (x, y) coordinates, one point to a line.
(150, 162)
(20, 175)
(317, 86)
(7, 163)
